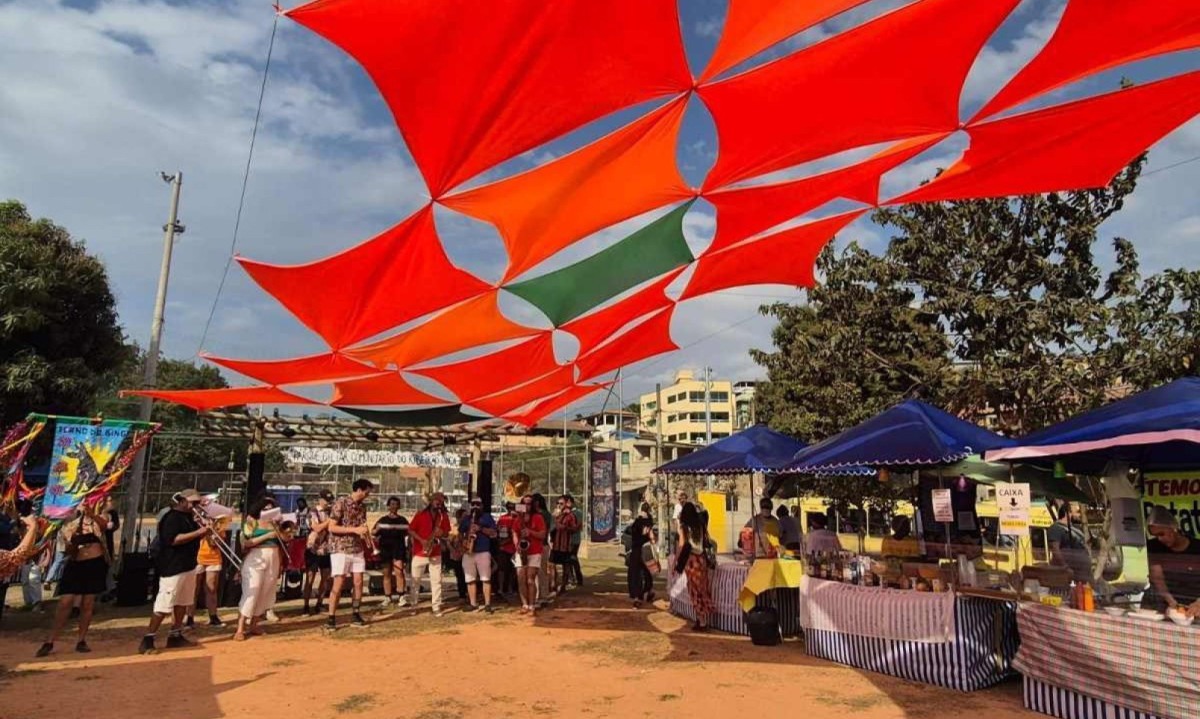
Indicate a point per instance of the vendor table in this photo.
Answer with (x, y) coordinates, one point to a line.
(949, 640)
(728, 581)
(1089, 665)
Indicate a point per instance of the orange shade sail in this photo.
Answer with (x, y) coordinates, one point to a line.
(203, 400)
(650, 338)
(1097, 35)
(548, 406)
(299, 370)
(746, 211)
(752, 26)
(490, 373)
(593, 329)
(388, 280)
(388, 388)
(895, 77)
(784, 258)
(504, 403)
(621, 175)
(1075, 146)
(473, 323)
(472, 84)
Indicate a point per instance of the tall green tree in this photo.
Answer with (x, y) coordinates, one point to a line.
(857, 346)
(1157, 330)
(59, 334)
(1019, 291)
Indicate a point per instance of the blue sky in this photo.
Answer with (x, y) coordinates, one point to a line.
(99, 95)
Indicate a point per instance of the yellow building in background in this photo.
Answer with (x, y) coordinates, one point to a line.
(682, 413)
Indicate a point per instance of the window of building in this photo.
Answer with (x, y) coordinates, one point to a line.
(625, 458)
(650, 405)
(719, 396)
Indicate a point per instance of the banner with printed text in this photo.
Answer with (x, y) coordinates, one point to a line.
(1179, 492)
(82, 461)
(605, 502)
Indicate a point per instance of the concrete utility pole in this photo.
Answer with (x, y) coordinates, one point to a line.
(708, 416)
(137, 477)
(664, 486)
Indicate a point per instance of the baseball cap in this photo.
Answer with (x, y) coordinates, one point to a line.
(190, 495)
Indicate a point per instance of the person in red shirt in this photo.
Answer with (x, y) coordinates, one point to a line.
(427, 530)
(530, 531)
(565, 526)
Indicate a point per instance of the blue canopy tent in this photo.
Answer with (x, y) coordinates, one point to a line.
(910, 434)
(757, 449)
(1158, 429)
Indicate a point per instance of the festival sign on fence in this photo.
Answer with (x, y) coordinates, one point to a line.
(602, 465)
(943, 505)
(1013, 501)
(335, 456)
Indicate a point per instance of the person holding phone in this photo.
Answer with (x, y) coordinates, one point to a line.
(529, 529)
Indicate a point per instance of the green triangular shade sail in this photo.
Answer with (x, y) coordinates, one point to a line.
(429, 417)
(567, 293)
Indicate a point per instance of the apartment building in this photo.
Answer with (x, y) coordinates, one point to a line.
(682, 413)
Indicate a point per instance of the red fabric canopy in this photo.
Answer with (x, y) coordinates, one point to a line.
(650, 338)
(504, 403)
(746, 211)
(593, 329)
(1096, 35)
(472, 84)
(785, 258)
(481, 376)
(299, 370)
(548, 406)
(474, 323)
(752, 26)
(1078, 145)
(203, 400)
(619, 176)
(388, 388)
(388, 280)
(895, 77)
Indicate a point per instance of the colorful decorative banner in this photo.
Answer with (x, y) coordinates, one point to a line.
(87, 461)
(602, 476)
(13, 449)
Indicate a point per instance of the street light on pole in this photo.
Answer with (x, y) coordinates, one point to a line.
(150, 371)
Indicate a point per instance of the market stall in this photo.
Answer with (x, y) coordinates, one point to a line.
(952, 640)
(1079, 665)
(729, 582)
(738, 586)
(1127, 660)
(905, 615)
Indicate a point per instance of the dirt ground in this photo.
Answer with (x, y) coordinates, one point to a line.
(592, 655)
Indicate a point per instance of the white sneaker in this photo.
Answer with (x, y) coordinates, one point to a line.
(403, 602)
(387, 602)
(272, 616)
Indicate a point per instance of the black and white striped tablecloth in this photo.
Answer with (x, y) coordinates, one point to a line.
(979, 656)
(1067, 704)
(727, 582)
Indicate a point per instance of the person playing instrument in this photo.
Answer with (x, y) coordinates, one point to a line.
(478, 529)
(350, 534)
(545, 591)
(316, 552)
(178, 544)
(260, 568)
(565, 526)
(85, 575)
(427, 529)
(506, 549)
(453, 558)
(529, 528)
(208, 572)
(391, 537)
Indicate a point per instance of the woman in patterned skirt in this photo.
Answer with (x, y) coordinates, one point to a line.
(693, 536)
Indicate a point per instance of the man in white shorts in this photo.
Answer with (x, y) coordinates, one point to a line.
(176, 548)
(349, 534)
(477, 559)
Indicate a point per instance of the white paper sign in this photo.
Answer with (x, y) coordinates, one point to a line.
(270, 515)
(217, 511)
(1013, 502)
(943, 506)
